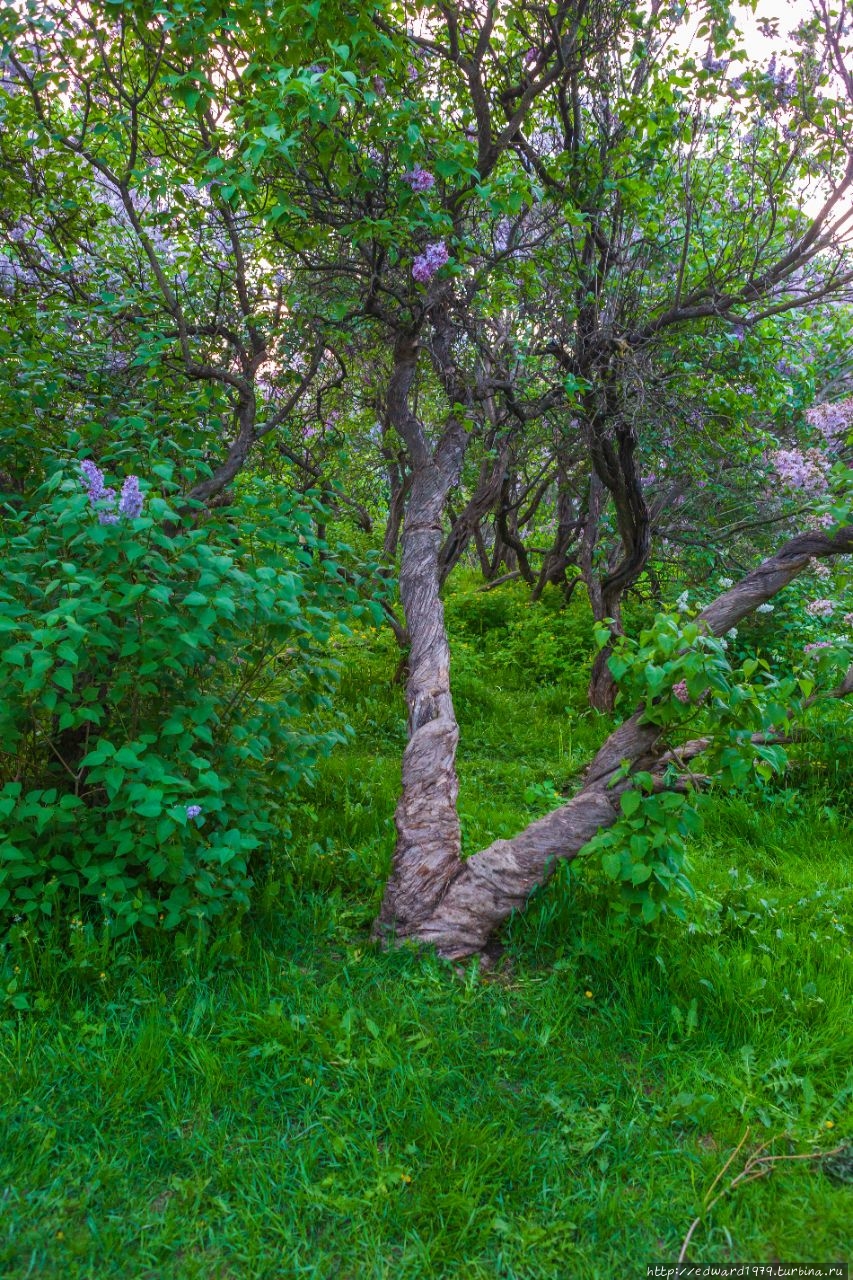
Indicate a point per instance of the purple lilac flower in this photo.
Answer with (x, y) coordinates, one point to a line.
(531, 57)
(131, 500)
(819, 644)
(739, 332)
(419, 179)
(680, 691)
(193, 810)
(432, 259)
(93, 478)
(832, 419)
(820, 608)
(800, 470)
(784, 81)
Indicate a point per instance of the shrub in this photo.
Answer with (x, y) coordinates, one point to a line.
(163, 676)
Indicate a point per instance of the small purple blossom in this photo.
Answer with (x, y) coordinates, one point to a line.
(419, 179)
(712, 64)
(680, 691)
(94, 480)
(739, 332)
(131, 500)
(531, 57)
(432, 259)
(820, 608)
(193, 810)
(818, 644)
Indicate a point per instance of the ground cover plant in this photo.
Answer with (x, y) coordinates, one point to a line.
(426, 638)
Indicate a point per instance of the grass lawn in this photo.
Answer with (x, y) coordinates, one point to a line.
(308, 1106)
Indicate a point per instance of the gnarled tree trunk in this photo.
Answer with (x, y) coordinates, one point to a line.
(460, 915)
(428, 840)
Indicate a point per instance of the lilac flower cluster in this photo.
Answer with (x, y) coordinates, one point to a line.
(193, 810)
(680, 691)
(831, 420)
(531, 57)
(818, 644)
(710, 63)
(93, 478)
(799, 470)
(820, 608)
(432, 259)
(130, 503)
(784, 81)
(419, 179)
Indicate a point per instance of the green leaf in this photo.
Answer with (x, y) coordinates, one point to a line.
(630, 802)
(611, 865)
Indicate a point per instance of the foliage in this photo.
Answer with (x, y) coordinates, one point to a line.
(162, 674)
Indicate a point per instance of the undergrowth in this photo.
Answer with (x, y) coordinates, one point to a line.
(291, 1102)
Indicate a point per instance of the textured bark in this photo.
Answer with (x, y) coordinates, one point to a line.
(569, 528)
(506, 524)
(480, 893)
(428, 839)
(615, 466)
(481, 501)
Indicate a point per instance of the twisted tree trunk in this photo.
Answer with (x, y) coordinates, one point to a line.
(460, 915)
(428, 846)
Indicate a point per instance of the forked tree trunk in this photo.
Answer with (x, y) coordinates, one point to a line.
(460, 915)
(428, 845)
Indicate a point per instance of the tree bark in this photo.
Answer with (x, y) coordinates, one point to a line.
(428, 839)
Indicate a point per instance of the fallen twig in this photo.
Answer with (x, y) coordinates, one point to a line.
(757, 1166)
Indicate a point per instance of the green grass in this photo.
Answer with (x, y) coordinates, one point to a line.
(308, 1106)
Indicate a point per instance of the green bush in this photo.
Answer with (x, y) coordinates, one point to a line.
(162, 676)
